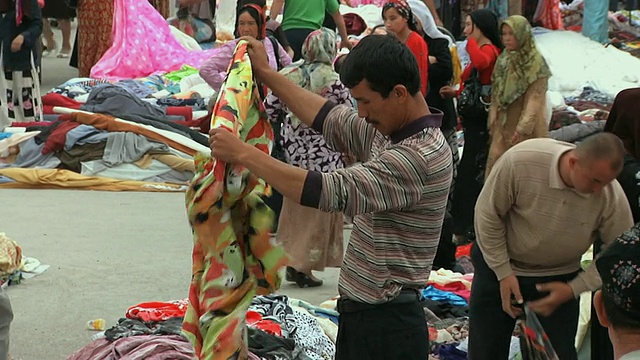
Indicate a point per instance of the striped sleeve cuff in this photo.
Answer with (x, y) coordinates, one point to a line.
(318, 122)
(312, 189)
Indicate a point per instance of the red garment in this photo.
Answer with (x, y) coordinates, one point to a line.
(419, 48)
(483, 59)
(185, 111)
(55, 141)
(30, 124)
(463, 250)
(50, 100)
(550, 15)
(157, 311)
(456, 287)
(255, 320)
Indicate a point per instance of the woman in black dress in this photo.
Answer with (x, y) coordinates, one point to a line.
(59, 10)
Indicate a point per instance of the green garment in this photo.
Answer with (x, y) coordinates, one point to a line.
(307, 14)
(178, 75)
(517, 69)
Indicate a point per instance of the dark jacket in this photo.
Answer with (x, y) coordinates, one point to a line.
(30, 28)
(440, 74)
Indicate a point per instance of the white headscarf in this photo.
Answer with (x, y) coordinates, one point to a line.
(422, 13)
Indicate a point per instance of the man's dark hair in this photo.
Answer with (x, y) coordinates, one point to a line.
(384, 62)
(619, 318)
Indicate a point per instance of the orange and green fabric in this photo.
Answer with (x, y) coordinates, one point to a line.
(233, 257)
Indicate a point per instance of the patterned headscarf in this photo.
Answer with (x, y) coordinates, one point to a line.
(315, 73)
(404, 10)
(619, 268)
(516, 70)
(261, 20)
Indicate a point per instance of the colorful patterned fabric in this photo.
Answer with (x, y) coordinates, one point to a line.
(95, 22)
(534, 341)
(232, 252)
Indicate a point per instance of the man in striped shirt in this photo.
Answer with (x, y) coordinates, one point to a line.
(397, 193)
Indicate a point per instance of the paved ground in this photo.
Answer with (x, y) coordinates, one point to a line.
(107, 251)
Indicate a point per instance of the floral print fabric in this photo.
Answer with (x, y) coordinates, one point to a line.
(233, 257)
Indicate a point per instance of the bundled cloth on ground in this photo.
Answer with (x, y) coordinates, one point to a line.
(232, 253)
(100, 152)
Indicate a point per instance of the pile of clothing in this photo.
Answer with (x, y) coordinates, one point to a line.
(278, 328)
(112, 141)
(580, 115)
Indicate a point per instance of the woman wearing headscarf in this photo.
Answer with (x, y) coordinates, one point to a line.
(483, 47)
(519, 91)
(399, 19)
(20, 30)
(311, 237)
(252, 21)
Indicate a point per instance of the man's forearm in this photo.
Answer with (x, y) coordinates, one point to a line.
(288, 180)
(303, 103)
(276, 7)
(342, 27)
(432, 9)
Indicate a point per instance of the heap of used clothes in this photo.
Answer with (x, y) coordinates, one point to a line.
(584, 113)
(278, 327)
(113, 141)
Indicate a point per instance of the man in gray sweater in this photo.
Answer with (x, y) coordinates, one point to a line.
(543, 205)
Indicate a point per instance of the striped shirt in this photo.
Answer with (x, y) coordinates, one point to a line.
(529, 223)
(397, 195)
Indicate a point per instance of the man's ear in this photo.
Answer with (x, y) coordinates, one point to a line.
(400, 93)
(598, 304)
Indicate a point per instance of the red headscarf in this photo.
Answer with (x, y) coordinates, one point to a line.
(262, 21)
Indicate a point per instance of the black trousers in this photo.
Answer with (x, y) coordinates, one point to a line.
(296, 39)
(467, 187)
(383, 332)
(490, 328)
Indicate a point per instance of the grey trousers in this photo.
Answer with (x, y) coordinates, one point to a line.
(6, 316)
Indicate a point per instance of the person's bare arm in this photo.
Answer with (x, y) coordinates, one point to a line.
(276, 7)
(342, 29)
(434, 12)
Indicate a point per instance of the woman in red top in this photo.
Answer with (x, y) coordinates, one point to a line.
(483, 47)
(399, 19)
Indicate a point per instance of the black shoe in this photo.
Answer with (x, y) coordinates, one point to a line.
(291, 274)
(303, 280)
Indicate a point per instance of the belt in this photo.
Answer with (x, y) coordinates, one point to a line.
(406, 296)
